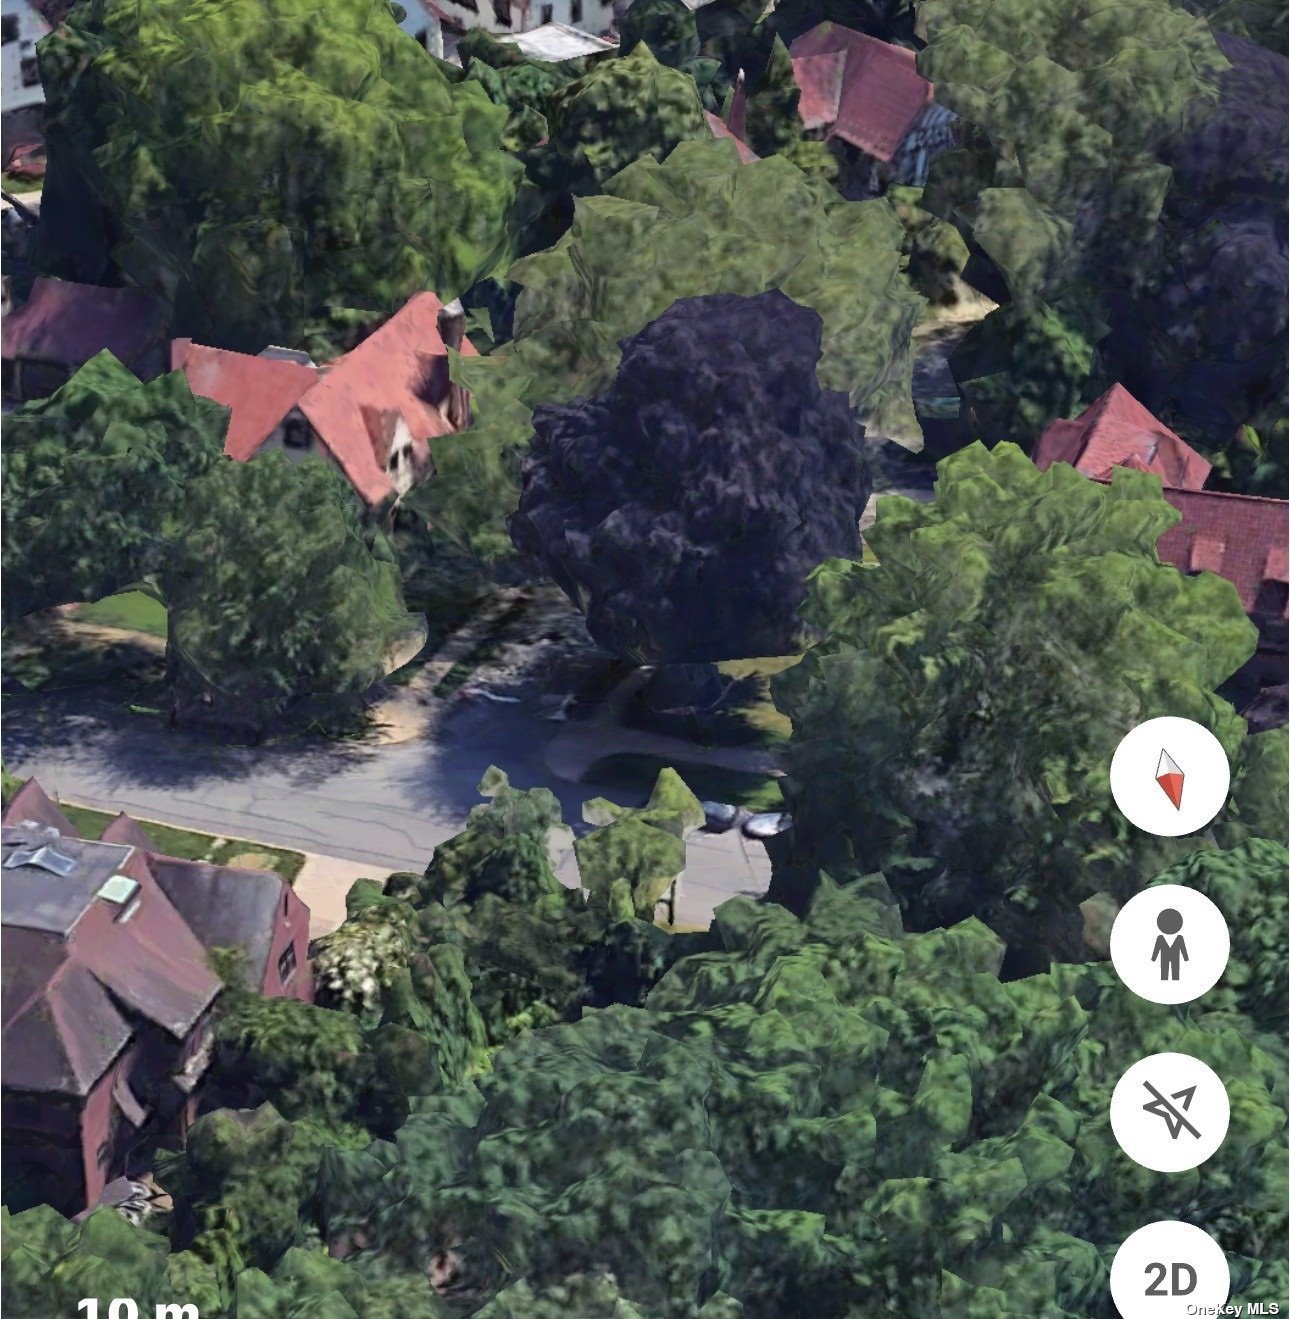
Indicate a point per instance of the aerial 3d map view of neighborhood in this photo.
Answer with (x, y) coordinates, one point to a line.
(645, 659)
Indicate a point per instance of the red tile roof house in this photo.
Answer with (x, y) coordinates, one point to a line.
(1240, 537)
(866, 98)
(62, 325)
(107, 994)
(372, 412)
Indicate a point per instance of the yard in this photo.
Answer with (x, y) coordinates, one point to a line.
(191, 846)
(186, 844)
(131, 611)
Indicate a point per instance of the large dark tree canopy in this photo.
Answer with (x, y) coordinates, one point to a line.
(684, 508)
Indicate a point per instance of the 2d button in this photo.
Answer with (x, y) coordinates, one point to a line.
(1170, 776)
(1169, 1270)
(1169, 1112)
(1169, 944)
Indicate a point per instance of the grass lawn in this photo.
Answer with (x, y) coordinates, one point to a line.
(637, 773)
(132, 610)
(758, 711)
(193, 846)
(15, 187)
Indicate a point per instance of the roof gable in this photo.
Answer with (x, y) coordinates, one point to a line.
(869, 91)
(1115, 430)
(387, 372)
(260, 391)
(31, 802)
(223, 906)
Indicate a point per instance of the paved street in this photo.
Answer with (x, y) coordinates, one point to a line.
(387, 806)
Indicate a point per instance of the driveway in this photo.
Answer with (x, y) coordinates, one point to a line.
(385, 806)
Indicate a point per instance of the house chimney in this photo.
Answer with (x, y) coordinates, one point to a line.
(452, 324)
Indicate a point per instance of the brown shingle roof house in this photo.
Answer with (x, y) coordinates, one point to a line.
(866, 92)
(373, 412)
(107, 993)
(1117, 431)
(62, 325)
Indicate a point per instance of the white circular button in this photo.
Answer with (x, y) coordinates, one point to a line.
(1170, 776)
(1169, 1270)
(1169, 944)
(1169, 1112)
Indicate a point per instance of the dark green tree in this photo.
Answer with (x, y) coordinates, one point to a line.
(771, 120)
(1122, 184)
(821, 1117)
(955, 723)
(335, 166)
(276, 596)
(97, 481)
(669, 29)
(700, 222)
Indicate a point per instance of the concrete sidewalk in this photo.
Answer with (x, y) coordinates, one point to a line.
(322, 885)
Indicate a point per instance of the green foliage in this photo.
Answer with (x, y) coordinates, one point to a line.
(51, 1265)
(623, 110)
(274, 593)
(1022, 366)
(824, 1117)
(1255, 464)
(241, 1185)
(644, 849)
(1248, 885)
(502, 850)
(936, 250)
(669, 29)
(315, 130)
(300, 1057)
(1060, 184)
(772, 124)
(9, 785)
(698, 223)
(96, 482)
(1009, 635)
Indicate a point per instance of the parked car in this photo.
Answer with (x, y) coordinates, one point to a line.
(719, 817)
(27, 161)
(767, 825)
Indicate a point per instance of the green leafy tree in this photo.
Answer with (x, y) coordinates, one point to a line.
(955, 723)
(336, 166)
(51, 1265)
(700, 222)
(621, 111)
(823, 1116)
(96, 483)
(275, 595)
(669, 28)
(772, 124)
(1061, 184)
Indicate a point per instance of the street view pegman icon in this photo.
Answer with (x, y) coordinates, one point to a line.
(1170, 776)
(1171, 948)
(1169, 1270)
(1169, 944)
(1169, 1112)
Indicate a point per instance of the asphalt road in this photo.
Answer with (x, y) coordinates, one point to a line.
(386, 806)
